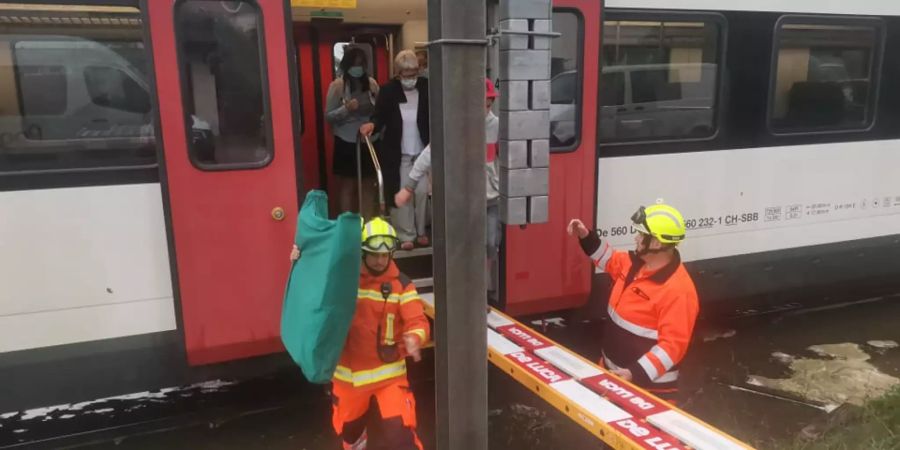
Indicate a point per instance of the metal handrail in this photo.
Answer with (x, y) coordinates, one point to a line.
(375, 163)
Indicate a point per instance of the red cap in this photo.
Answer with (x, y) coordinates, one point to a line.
(491, 91)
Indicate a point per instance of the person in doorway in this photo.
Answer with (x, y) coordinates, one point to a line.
(401, 114)
(422, 55)
(493, 228)
(389, 325)
(653, 305)
(350, 102)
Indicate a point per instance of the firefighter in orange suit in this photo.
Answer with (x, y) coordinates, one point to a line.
(389, 324)
(653, 305)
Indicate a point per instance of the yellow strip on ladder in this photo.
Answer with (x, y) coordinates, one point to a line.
(620, 414)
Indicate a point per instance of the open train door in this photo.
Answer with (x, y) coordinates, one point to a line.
(226, 105)
(545, 269)
(320, 47)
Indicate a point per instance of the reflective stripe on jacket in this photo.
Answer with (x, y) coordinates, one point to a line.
(652, 315)
(401, 313)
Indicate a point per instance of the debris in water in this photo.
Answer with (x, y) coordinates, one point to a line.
(523, 426)
(810, 433)
(211, 385)
(842, 416)
(42, 412)
(66, 416)
(783, 358)
(19, 431)
(101, 411)
(885, 345)
(146, 396)
(716, 335)
(824, 407)
(846, 377)
(558, 322)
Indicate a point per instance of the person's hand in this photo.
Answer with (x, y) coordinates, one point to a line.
(576, 228)
(366, 129)
(413, 346)
(402, 198)
(295, 253)
(352, 104)
(624, 374)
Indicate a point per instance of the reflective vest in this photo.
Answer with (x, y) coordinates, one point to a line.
(401, 313)
(652, 315)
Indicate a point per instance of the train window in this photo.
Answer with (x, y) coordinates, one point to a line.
(824, 75)
(565, 82)
(74, 90)
(221, 54)
(659, 79)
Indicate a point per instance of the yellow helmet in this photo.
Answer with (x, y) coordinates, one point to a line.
(663, 222)
(378, 236)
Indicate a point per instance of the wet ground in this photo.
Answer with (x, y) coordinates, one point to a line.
(282, 412)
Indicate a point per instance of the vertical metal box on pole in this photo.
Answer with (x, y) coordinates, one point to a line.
(525, 30)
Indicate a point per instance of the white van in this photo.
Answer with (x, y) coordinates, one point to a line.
(641, 102)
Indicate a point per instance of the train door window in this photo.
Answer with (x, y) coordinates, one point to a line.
(659, 78)
(565, 81)
(338, 55)
(222, 60)
(824, 75)
(74, 91)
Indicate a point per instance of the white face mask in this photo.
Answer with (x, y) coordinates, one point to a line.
(408, 84)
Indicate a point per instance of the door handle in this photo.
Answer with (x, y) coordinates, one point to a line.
(278, 213)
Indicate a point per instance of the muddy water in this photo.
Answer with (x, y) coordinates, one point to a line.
(841, 373)
(279, 413)
(820, 356)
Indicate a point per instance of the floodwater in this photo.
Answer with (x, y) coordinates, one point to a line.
(750, 377)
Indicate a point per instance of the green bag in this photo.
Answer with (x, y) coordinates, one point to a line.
(320, 297)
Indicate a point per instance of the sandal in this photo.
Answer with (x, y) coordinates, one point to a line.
(423, 241)
(407, 246)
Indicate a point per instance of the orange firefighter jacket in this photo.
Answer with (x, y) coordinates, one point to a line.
(401, 313)
(652, 315)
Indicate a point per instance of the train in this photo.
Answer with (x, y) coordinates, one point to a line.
(153, 155)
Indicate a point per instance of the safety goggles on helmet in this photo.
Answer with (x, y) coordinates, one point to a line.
(378, 236)
(380, 244)
(668, 225)
(639, 219)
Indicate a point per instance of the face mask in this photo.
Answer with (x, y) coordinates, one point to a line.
(408, 84)
(356, 71)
